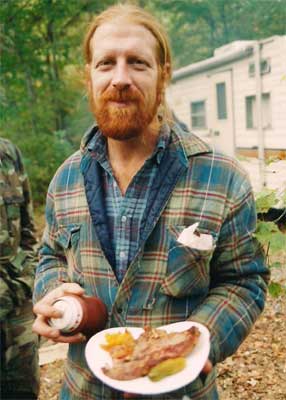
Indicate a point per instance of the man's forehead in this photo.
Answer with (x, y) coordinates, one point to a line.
(117, 36)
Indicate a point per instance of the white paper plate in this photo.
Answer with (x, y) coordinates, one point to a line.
(97, 358)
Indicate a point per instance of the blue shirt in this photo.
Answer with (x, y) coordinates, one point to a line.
(125, 213)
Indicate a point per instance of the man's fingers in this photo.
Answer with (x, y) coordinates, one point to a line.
(78, 338)
(207, 367)
(130, 396)
(65, 288)
(42, 328)
(44, 306)
(46, 310)
(73, 288)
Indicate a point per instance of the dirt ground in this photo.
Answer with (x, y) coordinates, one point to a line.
(256, 372)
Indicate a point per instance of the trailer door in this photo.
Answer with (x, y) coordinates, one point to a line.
(222, 129)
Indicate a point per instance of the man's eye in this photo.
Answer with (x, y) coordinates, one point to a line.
(138, 63)
(104, 63)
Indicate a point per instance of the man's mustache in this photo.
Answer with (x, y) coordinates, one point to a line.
(121, 95)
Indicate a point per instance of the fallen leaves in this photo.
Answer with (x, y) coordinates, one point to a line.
(257, 370)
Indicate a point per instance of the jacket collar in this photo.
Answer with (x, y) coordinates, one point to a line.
(187, 143)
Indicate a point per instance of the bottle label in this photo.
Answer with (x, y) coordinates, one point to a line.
(72, 314)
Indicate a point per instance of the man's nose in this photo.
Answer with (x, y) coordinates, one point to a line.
(121, 77)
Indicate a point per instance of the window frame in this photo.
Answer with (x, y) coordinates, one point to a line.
(199, 114)
(221, 111)
(253, 116)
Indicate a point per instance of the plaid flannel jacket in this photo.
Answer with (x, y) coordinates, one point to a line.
(166, 282)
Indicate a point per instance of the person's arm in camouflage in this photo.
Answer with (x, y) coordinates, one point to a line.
(6, 300)
(28, 241)
(18, 258)
(28, 238)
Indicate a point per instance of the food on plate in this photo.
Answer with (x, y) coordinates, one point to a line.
(119, 345)
(166, 368)
(136, 358)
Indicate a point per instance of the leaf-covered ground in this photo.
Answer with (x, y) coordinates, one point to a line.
(256, 372)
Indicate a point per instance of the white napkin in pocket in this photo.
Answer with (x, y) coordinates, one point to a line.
(202, 241)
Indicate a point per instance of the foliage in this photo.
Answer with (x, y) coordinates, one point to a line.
(198, 27)
(266, 199)
(276, 290)
(42, 94)
(270, 233)
(42, 80)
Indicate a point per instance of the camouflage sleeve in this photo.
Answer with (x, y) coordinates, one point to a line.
(17, 235)
(28, 242)
(28, 238)
(6, 298)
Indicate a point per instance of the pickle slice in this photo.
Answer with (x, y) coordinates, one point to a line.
(166, 368)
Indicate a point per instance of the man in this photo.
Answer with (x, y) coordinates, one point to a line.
(116, 208)
(19, 346)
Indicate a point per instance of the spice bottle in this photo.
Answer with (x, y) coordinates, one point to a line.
(84, 314)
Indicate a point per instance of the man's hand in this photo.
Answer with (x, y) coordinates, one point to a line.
(207, 367)
(44, 310)
(206, 370)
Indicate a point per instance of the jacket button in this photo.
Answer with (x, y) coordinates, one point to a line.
(119, 310)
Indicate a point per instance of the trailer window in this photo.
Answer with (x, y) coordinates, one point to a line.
(198, 114)
(251, 111)
(221, 100)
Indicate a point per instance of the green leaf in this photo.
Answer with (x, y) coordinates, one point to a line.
(277, 242)
(268, 234)
(276, 289)
(265, 230)
(276, 264)
(265, 200)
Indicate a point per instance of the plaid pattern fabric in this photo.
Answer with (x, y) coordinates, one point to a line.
(125, 213)
(166, 282)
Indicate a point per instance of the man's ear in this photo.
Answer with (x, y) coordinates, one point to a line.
(166, 73)
(88, 77)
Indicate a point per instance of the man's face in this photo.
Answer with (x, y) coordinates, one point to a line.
(124, 79)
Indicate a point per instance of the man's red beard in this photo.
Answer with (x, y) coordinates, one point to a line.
(122, 123)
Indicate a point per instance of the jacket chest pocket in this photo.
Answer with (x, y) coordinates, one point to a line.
(187, 271)
(68, 238)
